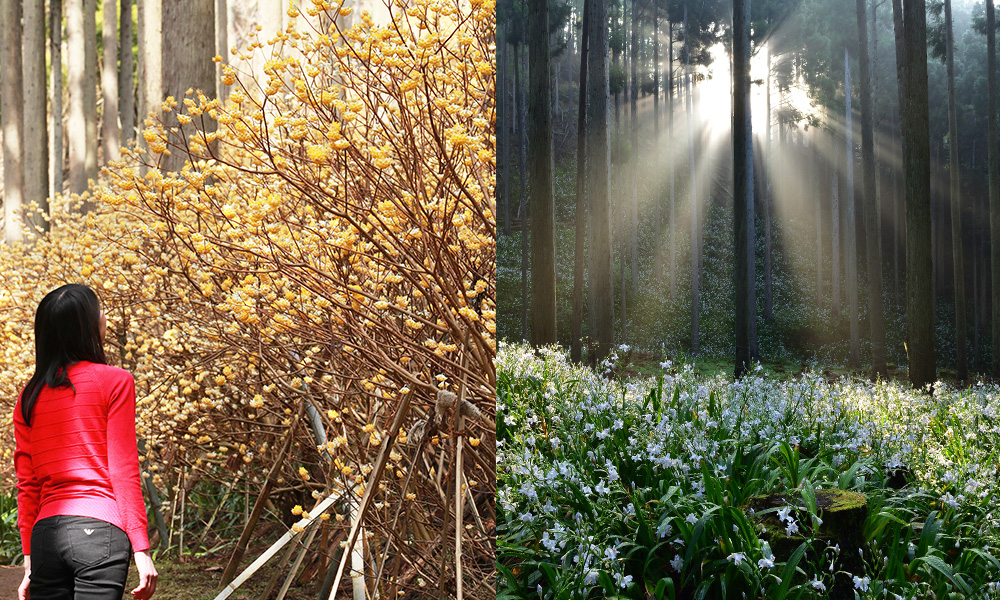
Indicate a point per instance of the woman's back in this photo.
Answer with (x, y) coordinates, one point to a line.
(80, 451)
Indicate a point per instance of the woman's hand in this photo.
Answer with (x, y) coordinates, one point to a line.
(22, 590)
(147, 576)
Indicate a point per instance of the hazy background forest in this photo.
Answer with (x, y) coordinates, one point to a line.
(815, 224)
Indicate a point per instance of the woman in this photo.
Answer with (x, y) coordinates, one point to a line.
(79, 500)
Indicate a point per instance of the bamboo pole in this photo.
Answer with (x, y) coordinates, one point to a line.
(258, 506)
(276, 546)
(372, 487)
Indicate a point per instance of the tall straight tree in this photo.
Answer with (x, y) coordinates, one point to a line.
(692, 192)
(993, 156)
(503, 122)
(76, 121)
(126, 95)
(743, 194)
(110, 124)
(958, 258)
(601, 288)
(670, 136)
(150, 58)
(36, 142)
(579, 249)
(766, 203)
(222, 46)
(835, 232)
(633, 211)
(851, 260)
(542, 199)
(916, 173)
(869, 199)
(90, 85)
(12, 117)
(56, 96)
(188, 49)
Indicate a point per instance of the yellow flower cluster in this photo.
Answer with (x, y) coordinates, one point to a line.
(327, 248)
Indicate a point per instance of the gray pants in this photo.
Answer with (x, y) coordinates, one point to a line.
(78, 558)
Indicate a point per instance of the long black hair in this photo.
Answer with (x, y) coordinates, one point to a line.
(67, 331)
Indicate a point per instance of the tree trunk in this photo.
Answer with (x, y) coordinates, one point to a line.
(188, 48)
(522, 211)
(851, 260)
(673, 197)
(661, 206)
(76, 121)
(693, 193)
(961, 359)
(90, 88)
(766, 199)
(818, 173)
(835, 257)
(55, 97)
(870, 200)
(110, 128)
(12, 118)
(743, 189)
(994, 175)
(916, 174)
(126, 91)
(601, 286)
(542, 200)
(632, 219)
(36, 142)
(503, 124)
(150, 61)
(580, 217)
(222, 46)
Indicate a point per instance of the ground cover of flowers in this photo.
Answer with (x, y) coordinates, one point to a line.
(638, 488)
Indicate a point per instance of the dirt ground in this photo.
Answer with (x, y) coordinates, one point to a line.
(197, 579)
(10, 578)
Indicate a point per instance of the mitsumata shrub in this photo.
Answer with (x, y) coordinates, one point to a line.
(320, 268)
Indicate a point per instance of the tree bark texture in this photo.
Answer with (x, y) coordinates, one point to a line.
(188, 48)
(693, 193)
(76, 120)
(601, 288)
(12, 118)
(916, 174)
(150, 60)
(36, 138)
(869, 200)
(542, 200)
(90, 88)
(126, 83)
(504, 119)
(850, 242)
(954, 167)
(580, 217)
(993, 167)
(110, 125)
(743, 190)
(56, 96)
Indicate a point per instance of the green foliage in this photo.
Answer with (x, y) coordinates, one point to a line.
(10, 535)
(637, 488)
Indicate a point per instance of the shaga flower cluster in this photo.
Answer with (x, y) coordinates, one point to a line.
(632, 484)
(325, 251)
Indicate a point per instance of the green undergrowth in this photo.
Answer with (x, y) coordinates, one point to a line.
(614, 484)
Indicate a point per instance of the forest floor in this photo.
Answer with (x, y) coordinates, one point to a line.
(640, 478)
(194, 579)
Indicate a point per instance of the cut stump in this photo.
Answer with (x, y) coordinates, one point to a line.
(843, 514)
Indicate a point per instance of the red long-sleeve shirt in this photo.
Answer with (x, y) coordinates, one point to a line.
(79, 455)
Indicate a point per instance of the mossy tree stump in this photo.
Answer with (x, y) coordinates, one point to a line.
(843, 514)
